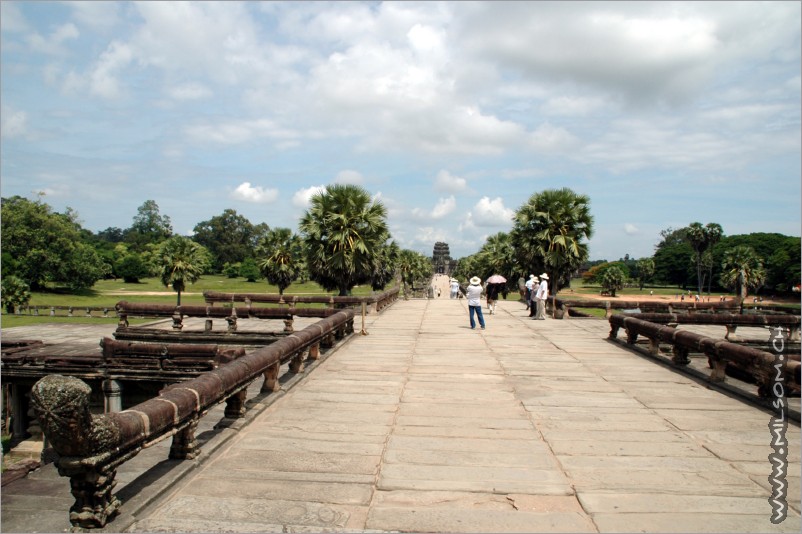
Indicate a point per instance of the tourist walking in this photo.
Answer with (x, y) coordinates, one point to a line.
(454, 288)
(492, 296)
(494, 285)
(474, 294)
(541, 295)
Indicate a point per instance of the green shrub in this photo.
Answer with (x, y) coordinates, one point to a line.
(15, 292)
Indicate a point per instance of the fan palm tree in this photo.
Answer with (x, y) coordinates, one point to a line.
(281, 254)
(413, 266)
(385, 266)
(742, 269)
(497, 256)
(182, 262)
(702, 239)
(549, 232)
(343, 231)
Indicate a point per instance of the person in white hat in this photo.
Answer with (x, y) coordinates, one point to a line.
(530, 287)
(532, 304)
(474, 294)
(541, 295)
(454, 286)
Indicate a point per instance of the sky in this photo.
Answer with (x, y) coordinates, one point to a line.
(451, 114)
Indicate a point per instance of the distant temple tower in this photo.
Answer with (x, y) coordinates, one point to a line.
(441, 259)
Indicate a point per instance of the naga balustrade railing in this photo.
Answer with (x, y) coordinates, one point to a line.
(760, 364)
(209, 313)
(730, 321)
(377, 302)
(564, 306)
(90, 448)
(64, 311)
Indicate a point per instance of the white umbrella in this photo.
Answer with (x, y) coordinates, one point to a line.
(496, 279)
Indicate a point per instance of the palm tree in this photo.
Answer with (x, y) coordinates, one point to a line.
(343, 231)
(497, 255)
(742, 268)
(385, 266)
(612, 280)
(549, 231)
(645, 271)
(413, 266)
(281, 254)
(701, 239)
(182, 262)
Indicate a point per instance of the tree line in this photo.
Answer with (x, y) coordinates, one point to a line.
(343, 240)
(549, 235)
(701, 258)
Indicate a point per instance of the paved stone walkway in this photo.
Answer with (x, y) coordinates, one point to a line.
(528, 426)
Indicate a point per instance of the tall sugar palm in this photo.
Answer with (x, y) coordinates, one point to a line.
(742, 269)
(343, 230)
(280, 257)
(702, 239)
(385, 265)
(550, 231)
(497, 256)
(413, 266)
(182, 261)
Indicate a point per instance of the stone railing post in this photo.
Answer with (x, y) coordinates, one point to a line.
(271, 383)
(185, 445)
(112, 396)
(61, 404)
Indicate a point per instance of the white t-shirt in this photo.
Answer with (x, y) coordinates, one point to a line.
(530, 284)
(543, 290)
(474, 293)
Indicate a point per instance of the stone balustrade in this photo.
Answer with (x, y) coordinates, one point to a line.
(376, 302)
(730, 321)
(38, 310)
(91, 447)
(563, 306)
(758, 363)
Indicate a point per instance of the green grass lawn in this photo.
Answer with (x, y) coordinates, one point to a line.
(106, 293)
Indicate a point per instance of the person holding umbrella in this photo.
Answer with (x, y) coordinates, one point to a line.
(494, 285)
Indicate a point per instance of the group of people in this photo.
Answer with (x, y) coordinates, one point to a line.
(537, 291)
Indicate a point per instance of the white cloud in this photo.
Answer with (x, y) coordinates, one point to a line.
(11, 19)
(444, 206)
(488, 212)
(103, 78)
(257, 194)
(54, 43)
(13, 123)
(514, 174)
(99, 16)
(189, 91)
(448, 183)
(349, 177)
(234, 132)
(302, 197)
(549, 138)
(630, 229)
(572, 106)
